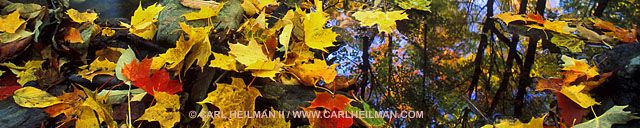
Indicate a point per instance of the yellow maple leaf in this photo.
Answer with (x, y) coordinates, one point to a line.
(267, 69)
(260, 4)
(31, 97)
(165, 111)
(25, 73)
(557, 26)
(299, 53)
(201, 49)
(81, 17)
(576, 95)
(269, 122)
(232, 97)
(315, 35)
(223, 62)
(198, 46)
(142, 21)
(310, 73)
(248, 54)
(98, 67)
(508, 17)
(174, 57)
(533, 123)
(386, 21)
(249, 8)
(577, 68)
(11, 22)
(204, 13)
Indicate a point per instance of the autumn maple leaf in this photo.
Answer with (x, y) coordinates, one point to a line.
(158, 81)
(330, 101)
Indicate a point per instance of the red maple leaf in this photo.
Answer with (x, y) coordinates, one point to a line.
(158, 81)
(329, 119)
(10, 84)
(330, 101)
(570, 110)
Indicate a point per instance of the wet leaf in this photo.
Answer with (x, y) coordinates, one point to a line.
(31, 97)
(204, 13)
(224, 62)
(11, 22)
(535, 18)
(573, 44)
(142, 77)
(576, 95)
(533, 123)
(315, 35)
(165, 111)
(232, 97)
(81, 17)
(509, 17)
(330, 101)
(142, 21)
(18, 35)
(98, 67)
(73, 36)
(615, 115)
(570, 111)
(386, 24)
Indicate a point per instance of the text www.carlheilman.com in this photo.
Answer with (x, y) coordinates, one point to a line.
(306, 114)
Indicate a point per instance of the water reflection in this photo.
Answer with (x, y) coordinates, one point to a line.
(108, 9)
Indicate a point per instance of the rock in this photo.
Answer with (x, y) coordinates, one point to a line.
(14, 116)
(230, 16)
(622, 87)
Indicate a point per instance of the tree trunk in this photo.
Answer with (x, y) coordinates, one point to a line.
(506, 75)
(525, 79)
(602, 4)
(483, 44)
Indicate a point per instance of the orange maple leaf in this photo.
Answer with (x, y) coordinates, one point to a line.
(535, 18)
(158, 81)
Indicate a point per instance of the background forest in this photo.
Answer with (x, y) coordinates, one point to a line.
(463, 63)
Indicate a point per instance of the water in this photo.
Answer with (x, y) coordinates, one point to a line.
(109, 9)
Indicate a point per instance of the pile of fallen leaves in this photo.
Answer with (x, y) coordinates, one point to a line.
(44, 63)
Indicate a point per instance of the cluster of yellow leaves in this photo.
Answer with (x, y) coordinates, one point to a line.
(236, 96)
(386, 21)
(25, 73)
(533, 123)
(165, 111)
(98, 67)
(142, 21)
(577, 91)
(252, 7)
(423, 5)
(84, 106)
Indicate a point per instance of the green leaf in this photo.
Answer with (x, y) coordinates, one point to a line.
(573, 44)
(615, 115)
(371, 121)
(127, 57)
